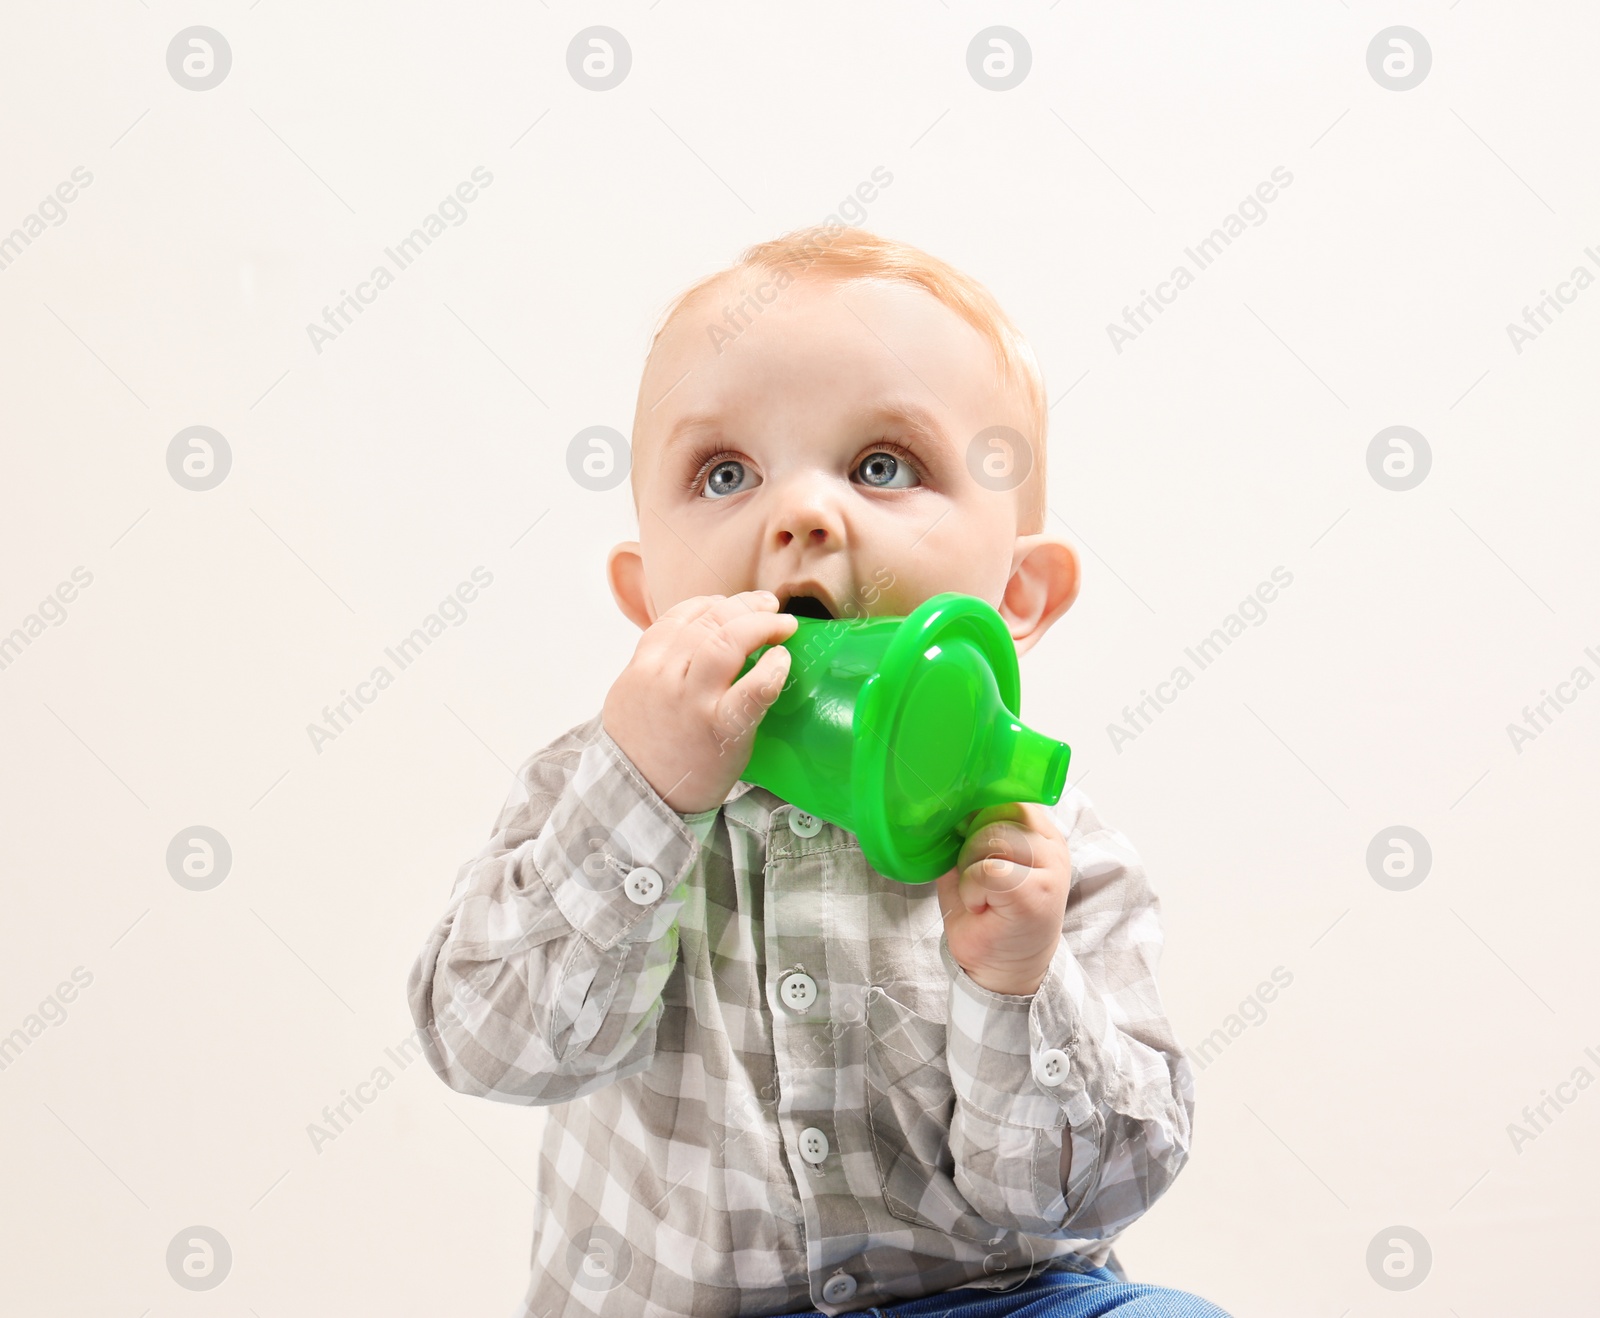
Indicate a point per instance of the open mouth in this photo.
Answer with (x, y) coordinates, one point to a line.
(806, 606)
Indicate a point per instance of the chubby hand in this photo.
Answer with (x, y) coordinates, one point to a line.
(676, 710)
(1004, 901)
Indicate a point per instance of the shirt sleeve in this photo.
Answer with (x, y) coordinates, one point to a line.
(1086, 1066)
(542, 980)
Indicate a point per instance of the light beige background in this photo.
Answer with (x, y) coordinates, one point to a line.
(429, 438)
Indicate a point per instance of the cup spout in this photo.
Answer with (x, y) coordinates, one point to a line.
(1022, 765)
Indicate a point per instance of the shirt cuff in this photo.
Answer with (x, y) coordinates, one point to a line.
(613, 853)
(1016, 1058)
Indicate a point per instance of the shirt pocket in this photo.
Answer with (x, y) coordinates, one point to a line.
(910, 1103)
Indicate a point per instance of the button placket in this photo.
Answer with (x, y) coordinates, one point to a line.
(796, 878)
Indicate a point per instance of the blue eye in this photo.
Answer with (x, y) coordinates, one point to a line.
(884, 471)
(727, 477)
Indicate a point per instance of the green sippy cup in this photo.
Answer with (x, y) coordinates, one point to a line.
(897, 728)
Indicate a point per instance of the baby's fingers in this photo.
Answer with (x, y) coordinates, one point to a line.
(747, 700)
(991, 880)
(722, 647)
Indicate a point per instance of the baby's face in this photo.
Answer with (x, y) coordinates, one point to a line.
(822, 452)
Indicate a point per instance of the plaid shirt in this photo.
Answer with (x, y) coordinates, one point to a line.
(771, 1088)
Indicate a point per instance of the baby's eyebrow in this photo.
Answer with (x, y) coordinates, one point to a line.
(687, 427)
(905, 413)
(911, 415)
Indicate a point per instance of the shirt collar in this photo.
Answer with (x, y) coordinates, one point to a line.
(752, 805)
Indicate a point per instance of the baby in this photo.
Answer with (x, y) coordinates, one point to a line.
(781, 1082)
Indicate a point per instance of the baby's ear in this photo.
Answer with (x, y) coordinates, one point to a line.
(625, 573)
(1043, 585)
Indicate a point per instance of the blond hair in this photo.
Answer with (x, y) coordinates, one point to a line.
(851, 253)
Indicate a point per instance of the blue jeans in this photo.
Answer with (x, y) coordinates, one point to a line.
(1058, 1294)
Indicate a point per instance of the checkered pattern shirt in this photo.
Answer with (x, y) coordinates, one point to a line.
(770, 1087)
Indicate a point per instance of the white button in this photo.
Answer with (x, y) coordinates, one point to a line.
(643, 885)
(1052, 1069)
(838, 1287)
(797, 991)
(813, 1145)
(803, 825)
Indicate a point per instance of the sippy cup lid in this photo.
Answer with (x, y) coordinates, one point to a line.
(937, 736)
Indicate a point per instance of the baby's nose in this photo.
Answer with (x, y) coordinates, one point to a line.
(807, 511)
(809, 519)
(815, 534)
